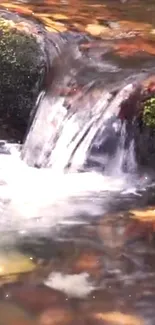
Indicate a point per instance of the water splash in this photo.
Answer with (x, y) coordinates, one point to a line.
(60, 139)
(36, 200)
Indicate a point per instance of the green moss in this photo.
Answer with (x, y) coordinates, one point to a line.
(149, 112)
(21, 71)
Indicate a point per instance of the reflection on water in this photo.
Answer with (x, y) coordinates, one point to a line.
(98, 272)
(98, 268)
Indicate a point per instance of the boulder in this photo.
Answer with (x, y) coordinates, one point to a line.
(26, 54)
(139, 112)
(22, 66)
(144, 125)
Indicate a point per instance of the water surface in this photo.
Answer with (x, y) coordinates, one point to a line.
(91, 235)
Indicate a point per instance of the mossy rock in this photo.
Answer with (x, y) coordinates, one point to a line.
(22, 70)
(149, 112)
(143, 128)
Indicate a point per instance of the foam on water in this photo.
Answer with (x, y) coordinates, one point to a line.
(37, 199)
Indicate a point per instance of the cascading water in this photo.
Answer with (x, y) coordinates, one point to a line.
(65, 138)
(56, 132)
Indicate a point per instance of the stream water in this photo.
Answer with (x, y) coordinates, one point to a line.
(72, 197)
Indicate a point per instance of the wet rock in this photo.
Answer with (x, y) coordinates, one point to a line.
(27, 51)
(144, 126)
(149, 112)
(23, 65)
(145, 146)
(139, 113)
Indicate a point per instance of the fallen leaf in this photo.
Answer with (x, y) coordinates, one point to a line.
(143, 215)
(118, 318)
(96, 30)
(60, 17)
(15, 263)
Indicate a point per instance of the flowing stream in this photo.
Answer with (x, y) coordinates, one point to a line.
(74, 157)
(72, 196)
(82, 157)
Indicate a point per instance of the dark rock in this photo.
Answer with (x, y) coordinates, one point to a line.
(22, 66)
(139, 113)
(144, 126)
(145, 146)
(26, 54)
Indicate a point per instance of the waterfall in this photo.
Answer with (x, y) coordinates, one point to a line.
(61, 141)
(78, 143)
(61, 137)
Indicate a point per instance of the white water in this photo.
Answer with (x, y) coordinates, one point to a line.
(34, 200)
